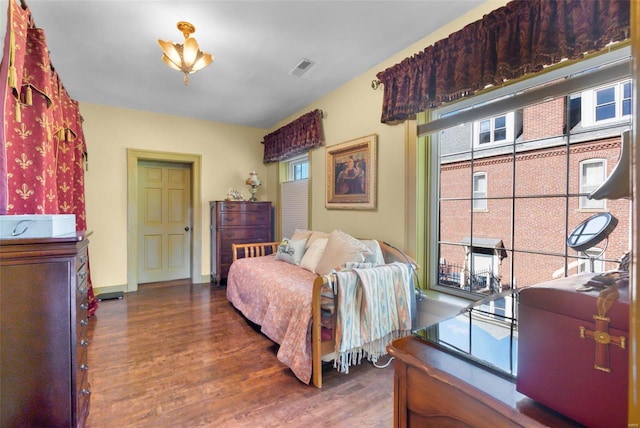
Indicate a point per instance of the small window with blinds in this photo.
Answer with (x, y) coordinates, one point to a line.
(295, 197)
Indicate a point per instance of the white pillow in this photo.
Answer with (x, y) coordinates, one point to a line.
(313, 254)
(341, 248)
(291, 251)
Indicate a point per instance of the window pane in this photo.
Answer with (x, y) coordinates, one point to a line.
(626, 90)
(500, 122)
(455, 171)
(605, 96)
(485, 126)
(500, 134)
(485, 137)
(606, 111)
(626, 107)
(455, 221)
(530, 269)
(540, 225)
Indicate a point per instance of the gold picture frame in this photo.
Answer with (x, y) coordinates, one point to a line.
(351, 174)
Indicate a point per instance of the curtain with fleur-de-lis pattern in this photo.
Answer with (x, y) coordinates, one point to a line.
(43, 153)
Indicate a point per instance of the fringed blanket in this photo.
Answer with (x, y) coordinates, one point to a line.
(374, 307)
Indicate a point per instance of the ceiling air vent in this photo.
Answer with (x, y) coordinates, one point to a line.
(303, 66)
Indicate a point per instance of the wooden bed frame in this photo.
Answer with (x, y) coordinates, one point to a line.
(319, 347)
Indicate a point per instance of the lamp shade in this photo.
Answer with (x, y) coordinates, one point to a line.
(187, 58)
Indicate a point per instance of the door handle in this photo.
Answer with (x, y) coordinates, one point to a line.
(186, 229)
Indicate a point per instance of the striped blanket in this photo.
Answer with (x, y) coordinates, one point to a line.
(373, 308)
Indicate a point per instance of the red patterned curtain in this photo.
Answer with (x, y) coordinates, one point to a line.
(43, 149)
(519, 38)
(297, 137)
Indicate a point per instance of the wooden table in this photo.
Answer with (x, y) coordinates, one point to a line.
(434, 388)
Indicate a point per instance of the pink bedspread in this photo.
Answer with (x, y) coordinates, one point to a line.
(277, 296)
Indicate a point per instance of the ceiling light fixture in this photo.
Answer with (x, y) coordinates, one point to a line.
(187, 58)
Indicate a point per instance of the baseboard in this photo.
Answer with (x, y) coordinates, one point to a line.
(109, 289)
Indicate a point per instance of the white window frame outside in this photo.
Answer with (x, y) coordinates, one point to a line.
(509, 134)
(585, 202)
(480, 195)
(589, 104)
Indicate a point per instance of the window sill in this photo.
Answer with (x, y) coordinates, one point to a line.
(447, 299)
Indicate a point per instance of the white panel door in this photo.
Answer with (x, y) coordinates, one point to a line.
(164, 221)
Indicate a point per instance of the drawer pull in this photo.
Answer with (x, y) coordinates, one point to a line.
(83, 259)
(82, 275)
(86, 391)
(84, 306)
(84, 322)
(84, 342)
(84, 367)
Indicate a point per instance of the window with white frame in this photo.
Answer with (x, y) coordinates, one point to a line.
(534, 196)
(607, 104)
(498, 129)
(480, 191)
(298, 168)
(592, 174)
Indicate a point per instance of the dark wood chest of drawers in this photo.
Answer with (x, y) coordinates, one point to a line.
(43, 332)
(236, 222)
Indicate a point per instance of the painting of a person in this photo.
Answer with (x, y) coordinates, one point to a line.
(351, 179)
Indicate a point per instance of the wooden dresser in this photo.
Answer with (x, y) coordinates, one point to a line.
(236, 222)
(43, 332)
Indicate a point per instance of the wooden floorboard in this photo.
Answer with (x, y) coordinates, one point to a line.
(181, 356)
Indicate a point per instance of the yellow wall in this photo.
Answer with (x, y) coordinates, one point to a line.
(354, 111)
(228, 153)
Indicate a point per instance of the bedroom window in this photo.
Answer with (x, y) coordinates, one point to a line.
(294, 196)
(540, 176)
(298, 168)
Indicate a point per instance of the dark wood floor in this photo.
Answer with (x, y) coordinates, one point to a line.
(179, 355)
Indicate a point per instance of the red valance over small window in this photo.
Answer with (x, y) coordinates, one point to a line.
(294, 138)
(519, 38)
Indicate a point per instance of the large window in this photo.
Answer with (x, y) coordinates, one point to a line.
(547, 163)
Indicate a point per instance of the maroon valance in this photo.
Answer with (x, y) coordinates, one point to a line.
(519, 38)
(294, 138)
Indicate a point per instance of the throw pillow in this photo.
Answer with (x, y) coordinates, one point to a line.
(313, 254)
(341, 248)
(301, 234)
(291, 251)
(315, 235)
(309, 235)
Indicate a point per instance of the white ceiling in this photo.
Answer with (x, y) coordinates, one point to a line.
(106, 52)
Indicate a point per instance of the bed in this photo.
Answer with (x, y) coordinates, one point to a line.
(300, 310)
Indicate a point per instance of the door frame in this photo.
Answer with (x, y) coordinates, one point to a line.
(194, 162)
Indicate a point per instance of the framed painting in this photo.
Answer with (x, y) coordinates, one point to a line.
(351, 174)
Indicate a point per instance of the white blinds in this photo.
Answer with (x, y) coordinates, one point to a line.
(295, 206)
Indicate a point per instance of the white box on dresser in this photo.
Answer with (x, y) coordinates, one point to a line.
(37, 225)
